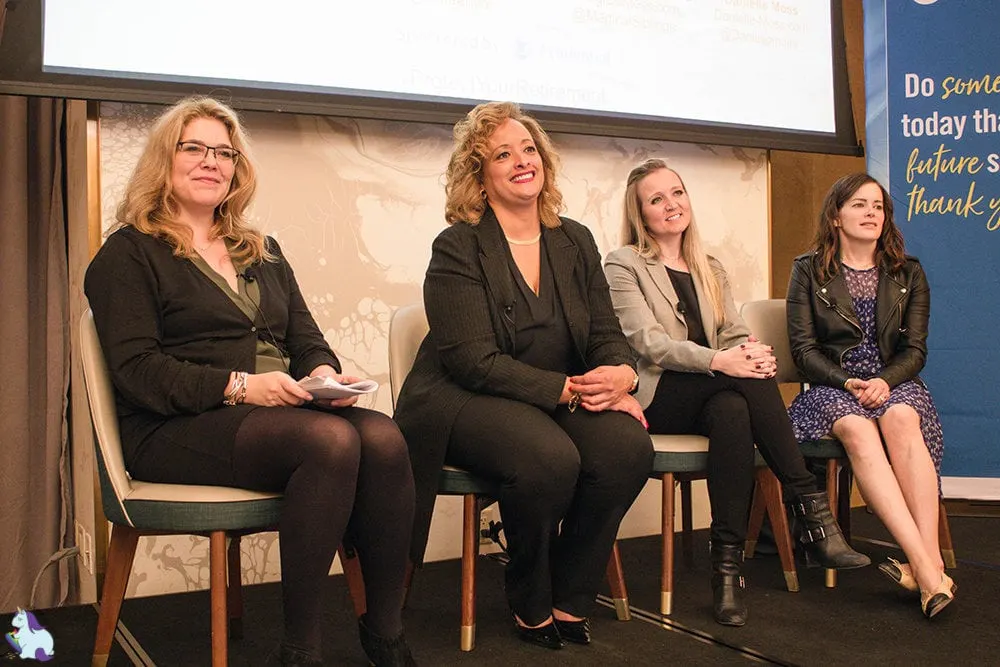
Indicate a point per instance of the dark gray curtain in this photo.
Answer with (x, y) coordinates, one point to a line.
(35, 491)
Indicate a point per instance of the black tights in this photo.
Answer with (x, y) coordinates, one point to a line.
(734, 413)
(344, 471)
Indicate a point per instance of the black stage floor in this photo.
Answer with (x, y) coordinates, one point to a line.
(866, 620)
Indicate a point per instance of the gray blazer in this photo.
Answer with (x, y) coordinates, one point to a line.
(646, 305)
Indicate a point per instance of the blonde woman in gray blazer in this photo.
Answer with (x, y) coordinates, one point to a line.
(702, 371)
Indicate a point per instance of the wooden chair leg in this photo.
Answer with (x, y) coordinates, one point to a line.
(234, 603)
(355, 580)
(832, 495)
(769, 488)
(687, 524)
(119, 565)
(217, 583)
(944, 538)
(470, 552)
(667, 535)
(757, 509)
(616, 581)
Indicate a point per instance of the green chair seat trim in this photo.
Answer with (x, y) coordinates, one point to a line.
(458, 482)
(201, 517)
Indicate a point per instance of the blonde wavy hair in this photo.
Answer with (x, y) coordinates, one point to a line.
(149, 204)
(635, 234)
(464, 198)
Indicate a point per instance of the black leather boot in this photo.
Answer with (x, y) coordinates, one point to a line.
(728, 601)
(819, 534)
(384, 652)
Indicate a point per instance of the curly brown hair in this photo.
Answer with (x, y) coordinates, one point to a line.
(464, 201)
(889, 248)
(149, 204)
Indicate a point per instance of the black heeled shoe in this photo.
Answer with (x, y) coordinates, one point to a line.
(546, 636)
(577, 632)
(384, 652)
(819, 534)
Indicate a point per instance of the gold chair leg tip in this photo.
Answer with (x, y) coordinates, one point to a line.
(948, 555)
(468, 637)
(831, 579)
(666, 603)
(99, 661)
(751, 546)
(792, 582)
(621, 609)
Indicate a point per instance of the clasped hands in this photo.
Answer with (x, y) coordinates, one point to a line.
(278, 388)
(752, 359)
(870, 393)
(605, 388)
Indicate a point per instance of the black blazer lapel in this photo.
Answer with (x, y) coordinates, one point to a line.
(496, 271)
(564, 258)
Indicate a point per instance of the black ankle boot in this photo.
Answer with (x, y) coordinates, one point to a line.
(384, 652)
(819, 534)
(728, 602)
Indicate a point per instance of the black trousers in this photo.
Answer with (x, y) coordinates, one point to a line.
(734, 414)
(582, 469)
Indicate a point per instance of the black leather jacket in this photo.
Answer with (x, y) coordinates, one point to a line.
(822, 324)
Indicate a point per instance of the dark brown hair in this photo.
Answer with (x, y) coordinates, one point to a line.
(889, 249)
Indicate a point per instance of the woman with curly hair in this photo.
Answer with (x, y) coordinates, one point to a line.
(205, 332)
(525, 376)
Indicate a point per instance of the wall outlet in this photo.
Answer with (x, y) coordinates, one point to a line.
(484, 525)
(85, 542)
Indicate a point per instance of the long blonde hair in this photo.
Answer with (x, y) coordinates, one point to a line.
(149, 204)
(464, 199)
(635, 234)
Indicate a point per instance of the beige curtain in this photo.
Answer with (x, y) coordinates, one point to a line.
(35, 491)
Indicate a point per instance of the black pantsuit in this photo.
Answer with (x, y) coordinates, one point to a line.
(734, 414)
(484, 394)
(581, 468)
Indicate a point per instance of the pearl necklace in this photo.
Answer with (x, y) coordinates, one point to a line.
(532, 241)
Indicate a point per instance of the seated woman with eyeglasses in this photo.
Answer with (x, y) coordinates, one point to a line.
(205, 331)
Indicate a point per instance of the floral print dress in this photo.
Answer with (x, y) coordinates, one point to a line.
(813, 412)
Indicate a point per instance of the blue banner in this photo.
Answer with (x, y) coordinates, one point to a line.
(932, 78)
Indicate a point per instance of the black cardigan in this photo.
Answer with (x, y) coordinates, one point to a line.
(171, 336)
(470, 296)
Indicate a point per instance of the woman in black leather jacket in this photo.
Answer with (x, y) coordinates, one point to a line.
(857, 322)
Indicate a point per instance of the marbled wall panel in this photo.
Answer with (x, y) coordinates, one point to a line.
(356, 204)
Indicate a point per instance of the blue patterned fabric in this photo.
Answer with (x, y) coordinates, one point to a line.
(814, 412)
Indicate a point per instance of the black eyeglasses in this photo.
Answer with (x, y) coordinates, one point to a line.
(196, 149)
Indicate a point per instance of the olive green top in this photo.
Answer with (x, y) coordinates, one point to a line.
(268, 357)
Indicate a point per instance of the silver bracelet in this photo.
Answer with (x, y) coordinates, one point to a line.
(238, 393)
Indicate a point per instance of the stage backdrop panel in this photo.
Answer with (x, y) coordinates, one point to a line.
(933, 97)
(355, 205)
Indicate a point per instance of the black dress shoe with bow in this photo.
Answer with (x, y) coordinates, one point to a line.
(577, 632)
(546, 636)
